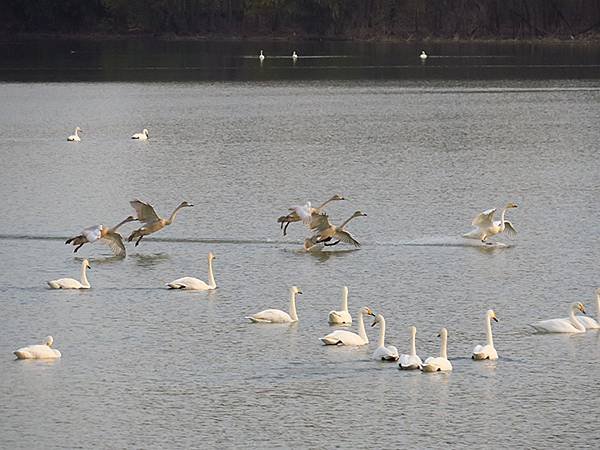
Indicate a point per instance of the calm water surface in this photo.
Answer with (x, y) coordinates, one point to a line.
(144, 367)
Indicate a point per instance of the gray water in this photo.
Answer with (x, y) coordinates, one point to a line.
(145, 367)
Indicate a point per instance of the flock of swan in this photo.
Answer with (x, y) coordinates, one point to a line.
(327, 234)
(261, 56)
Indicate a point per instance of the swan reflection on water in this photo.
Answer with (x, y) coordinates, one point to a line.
(151, 260)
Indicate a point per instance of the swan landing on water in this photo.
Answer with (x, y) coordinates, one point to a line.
(487, 226)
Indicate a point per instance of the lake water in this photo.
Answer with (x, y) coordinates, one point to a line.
(421, 148)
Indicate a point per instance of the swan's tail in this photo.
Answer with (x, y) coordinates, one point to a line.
(330, 341)
(473, 234)
(429, 368)
(53, 284)
(256, 320)
(133, 235)
(22, 354)
(175, 286)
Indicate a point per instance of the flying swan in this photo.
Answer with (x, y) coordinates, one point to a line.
(38, 351)
(153, 223)
(383, 353)
(487, 226)
(70, 283)
(439, 363)
(108, 236)
(568, 325)
(341, 317)
(305, 213)
(325, 231)
(194, 284)
(487, 351)
(345, 337)
(412, 360)
(277, 315)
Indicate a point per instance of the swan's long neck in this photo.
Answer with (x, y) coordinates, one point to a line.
(598, 307)
(443, 349)
(576, 323)
(120, 224)
(361, 327)
(345, 300)
(293, 313)
(346, 222)
(413, 346)
(488, 330)
(324, 204)
(173, 214)
(381, 341)
(84, 280)
(211, 277)
(76, 132)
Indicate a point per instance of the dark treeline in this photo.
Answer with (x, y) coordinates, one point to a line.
(400, 19)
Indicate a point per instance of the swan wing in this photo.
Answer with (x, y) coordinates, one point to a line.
(304, 212)
(340, 317)
(115, 242)
(189, 283)
(346, 237)
(92, 233)
(485, 219)
(37, 352)
(271, 316)
(342, 337)
(65, 283)
(555, 326)
(588, 322)
(509, 228)
(145, 211)
(320, 222)
(409, 362)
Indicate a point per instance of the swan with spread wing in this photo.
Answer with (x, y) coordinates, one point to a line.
(487, 227)
(108, 236)
(153, 223)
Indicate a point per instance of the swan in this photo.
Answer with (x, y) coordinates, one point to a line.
(294, 56)
(195, 284)
(412, 361)
(568, 325)
(305, 213)
(261, 57)
(341, 317)
(143, 136)
(439, 363)
(345, 337)
(423, 55)
(153, 223)
(325, 231)
(383, 353)
(38, 351)
(75, 137)
(487, 226)
(70, 283)
(588, 322)
(276, 315)
(487, 351)
(107, 235)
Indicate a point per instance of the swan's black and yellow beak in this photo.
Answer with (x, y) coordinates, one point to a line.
(495, 319)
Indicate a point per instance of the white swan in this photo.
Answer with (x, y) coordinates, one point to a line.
(345, 337)
(70, 283)
(568, 325)
(411, 361)
(261, 57)
(487, 351)
(341, 317)
(276, 315)
(383, 353)
(423, 55)
(143, 136)
(75, 137)
(588, 322)
(38, 351)
(294, 56)
(439, 363)
(487, 226)
(195, 284)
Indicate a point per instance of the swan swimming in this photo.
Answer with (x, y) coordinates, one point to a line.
(191, 283)
(439, 363)
(411, 361)
(568, 325)
(487, 351)
(75, 137)
(423, 55)
(294, 56)
(276, 315)
(70, 283)
(487, 226)
(261, 57)
(383, 353)
(345, 337)
(588, 322)
(143, 136)
(341, 317)
(38, 351)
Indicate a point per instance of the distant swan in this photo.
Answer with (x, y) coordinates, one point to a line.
(294, 56)
(439, 363)
(153, 223)
(141, 136)
(276, 315)
(109, 236)
(195, 284)
(38, 351)
(487, 351)
(568, 325)
(345, 337)
(487, 226)
(383, 353)
(411, 361)
(341, 317)
(588, 322)
(70, 283)
(75, 137)
(261, 56)
(423, 55)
